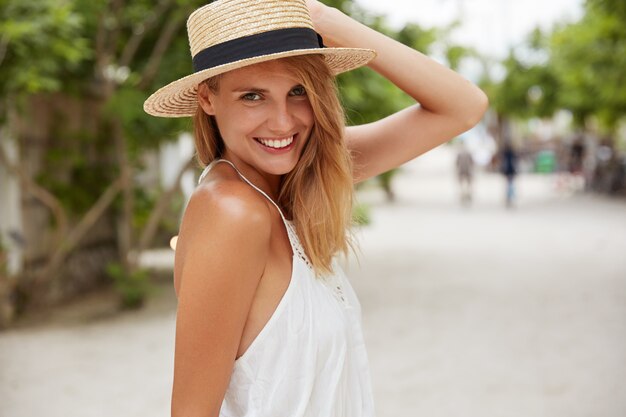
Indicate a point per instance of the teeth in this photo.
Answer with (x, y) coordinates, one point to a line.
(276, 143)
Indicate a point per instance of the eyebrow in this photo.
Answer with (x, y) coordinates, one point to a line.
(251, 89)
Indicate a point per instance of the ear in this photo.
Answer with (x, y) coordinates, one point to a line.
(204, 99)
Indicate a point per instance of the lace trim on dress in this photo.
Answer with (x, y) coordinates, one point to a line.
(330, 281)
(296, 245)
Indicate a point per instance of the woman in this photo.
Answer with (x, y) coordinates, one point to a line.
(267, 324)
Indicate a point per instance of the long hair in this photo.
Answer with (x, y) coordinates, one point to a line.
(318, 193)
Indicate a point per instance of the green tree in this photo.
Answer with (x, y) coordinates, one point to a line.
(40, 41)
(87, 66)
(589, 57)
(581, 70)
(526, 91)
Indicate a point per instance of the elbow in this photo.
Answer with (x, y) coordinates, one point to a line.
(483, 104)
(480, 104)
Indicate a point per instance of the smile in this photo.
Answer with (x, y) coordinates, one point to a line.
(276, 143)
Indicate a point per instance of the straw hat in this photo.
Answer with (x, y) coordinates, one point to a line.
(229, 34)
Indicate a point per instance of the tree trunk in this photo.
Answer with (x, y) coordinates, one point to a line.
(51, 133)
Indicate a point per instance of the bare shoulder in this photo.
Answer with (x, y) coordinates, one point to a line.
(226, 200)
(222, 250)
(227, 217)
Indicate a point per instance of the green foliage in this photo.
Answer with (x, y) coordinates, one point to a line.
(133, 288)
(455, 54)
(589, 58)
(40, 42)
(64, 46)
(125, 102)
(142, 131)
(417, 37)
(79, 190)
(77, 164)
(361, 214)
(616, 8)
(526, 91)
(344, 5)
(583, 71)
(144, 202)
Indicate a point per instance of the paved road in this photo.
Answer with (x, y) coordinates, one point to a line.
(477, 311)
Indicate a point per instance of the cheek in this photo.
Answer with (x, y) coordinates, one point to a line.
(235, 122)
(305, 114)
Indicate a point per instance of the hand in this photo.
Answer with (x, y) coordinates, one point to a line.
(315, 9)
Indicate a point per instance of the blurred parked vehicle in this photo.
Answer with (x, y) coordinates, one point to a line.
(545, 161)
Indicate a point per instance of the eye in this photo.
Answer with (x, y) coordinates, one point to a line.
(298, 91)
(250, 97)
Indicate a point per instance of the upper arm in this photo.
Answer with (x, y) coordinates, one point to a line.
(390, 142)
(220, 257)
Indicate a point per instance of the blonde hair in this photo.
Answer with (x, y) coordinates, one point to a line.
(318, 193)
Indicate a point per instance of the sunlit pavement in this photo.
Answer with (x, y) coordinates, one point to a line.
(468, 311)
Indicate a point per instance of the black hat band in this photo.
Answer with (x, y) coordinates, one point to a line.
(266, 43)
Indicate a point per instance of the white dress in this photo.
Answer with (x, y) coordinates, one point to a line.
(310, 359)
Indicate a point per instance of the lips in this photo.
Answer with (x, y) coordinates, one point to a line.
(277, 142)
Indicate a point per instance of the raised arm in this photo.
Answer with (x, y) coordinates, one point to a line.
(220, 257)
(448, 104)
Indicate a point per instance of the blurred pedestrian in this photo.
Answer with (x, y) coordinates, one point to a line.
(509, 170)
(465, 172)
(576, 163)
(576, 155)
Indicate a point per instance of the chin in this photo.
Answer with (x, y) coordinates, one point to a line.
(280, 167)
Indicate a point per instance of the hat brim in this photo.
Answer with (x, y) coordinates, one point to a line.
(178, 98)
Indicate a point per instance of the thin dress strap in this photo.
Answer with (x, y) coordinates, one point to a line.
(296, 246)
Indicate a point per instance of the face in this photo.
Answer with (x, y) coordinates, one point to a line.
(264, 116)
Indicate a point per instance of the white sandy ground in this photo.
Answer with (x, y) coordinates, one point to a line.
(468, 312)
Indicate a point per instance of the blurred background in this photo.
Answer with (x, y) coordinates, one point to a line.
(491, 271)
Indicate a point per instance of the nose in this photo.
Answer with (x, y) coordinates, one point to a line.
(281, 118)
